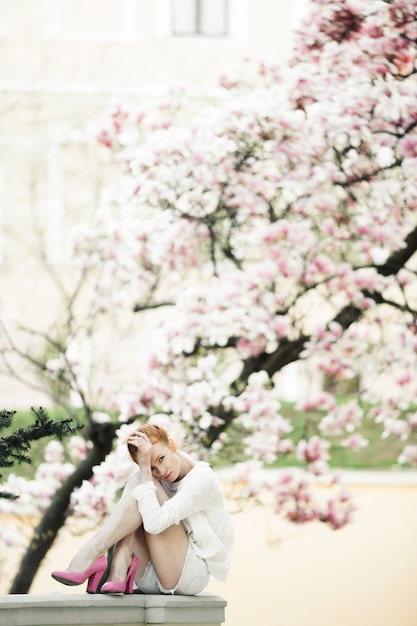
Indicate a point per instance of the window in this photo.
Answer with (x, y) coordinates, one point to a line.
(200, 17)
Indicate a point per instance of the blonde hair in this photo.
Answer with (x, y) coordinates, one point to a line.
(156, 434)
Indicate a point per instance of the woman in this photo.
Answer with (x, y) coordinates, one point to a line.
(170, 529)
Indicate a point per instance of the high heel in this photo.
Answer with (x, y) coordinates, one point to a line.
(93, 573)
(126, 586)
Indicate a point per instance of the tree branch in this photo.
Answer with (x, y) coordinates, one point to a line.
(289, 351)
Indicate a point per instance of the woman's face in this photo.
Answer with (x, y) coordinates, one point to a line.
(165, 464)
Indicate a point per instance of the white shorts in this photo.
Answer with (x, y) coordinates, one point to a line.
(194, 577)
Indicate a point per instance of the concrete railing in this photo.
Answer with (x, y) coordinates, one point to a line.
(102, 610)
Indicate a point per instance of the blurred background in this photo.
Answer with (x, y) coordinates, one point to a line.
(64, 67)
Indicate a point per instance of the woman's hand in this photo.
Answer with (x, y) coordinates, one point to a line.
(141, 442)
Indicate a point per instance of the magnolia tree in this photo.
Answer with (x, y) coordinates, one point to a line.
(278, 226)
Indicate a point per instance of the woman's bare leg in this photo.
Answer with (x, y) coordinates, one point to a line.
(140, 548)
(123, 529)
(168, 549)
(122, 523)
(122, 558)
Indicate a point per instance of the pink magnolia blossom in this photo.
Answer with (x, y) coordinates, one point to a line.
(314, 453)
(297, 501)
(396, 427)
(355, 441)
(267, 228)
(409, 455)
(259, 220)
(78, 448)
(54, 452)
(345, 417)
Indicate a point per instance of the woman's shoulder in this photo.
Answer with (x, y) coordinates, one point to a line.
(203, 467)
(203, 470)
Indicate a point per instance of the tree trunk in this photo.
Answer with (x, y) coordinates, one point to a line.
(54, 517)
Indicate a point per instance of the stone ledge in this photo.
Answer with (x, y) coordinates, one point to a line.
(102, 610)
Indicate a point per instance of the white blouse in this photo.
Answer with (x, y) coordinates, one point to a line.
(198, 502)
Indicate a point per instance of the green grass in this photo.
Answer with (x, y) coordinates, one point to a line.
(380, 454)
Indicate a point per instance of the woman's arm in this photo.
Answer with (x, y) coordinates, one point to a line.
(143, 446)
(200, 491)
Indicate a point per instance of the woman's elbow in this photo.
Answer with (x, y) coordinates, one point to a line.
(153, 529)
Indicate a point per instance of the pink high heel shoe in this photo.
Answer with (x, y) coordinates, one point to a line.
(126, 586)
(93, 573)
